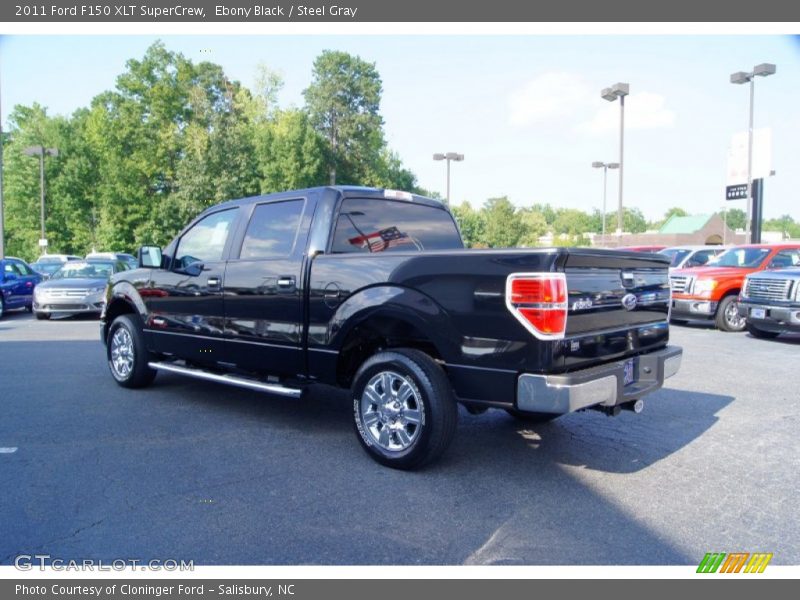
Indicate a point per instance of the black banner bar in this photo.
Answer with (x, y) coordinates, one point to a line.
(459, 11)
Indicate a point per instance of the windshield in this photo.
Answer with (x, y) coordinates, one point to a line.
(393, 226)
(47, 268)
(742, 257)
(85, 270)
(676, 254)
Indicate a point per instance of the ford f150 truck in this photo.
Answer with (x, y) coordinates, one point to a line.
(712, 291)
(770, 302)
(372, 290)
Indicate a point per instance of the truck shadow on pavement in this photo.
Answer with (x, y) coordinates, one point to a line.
(221, 475)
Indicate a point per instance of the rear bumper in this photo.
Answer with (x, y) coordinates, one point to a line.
(598, 386)
(776, 318)
(693, 308)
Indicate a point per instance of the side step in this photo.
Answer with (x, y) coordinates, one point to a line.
(272, 388)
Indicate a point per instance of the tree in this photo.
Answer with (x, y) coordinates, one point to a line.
(736, 218)
(633, 220)
(535, 226)
(343, 101)
(503, 227)
(675, 211)
(471, 223)
(571, 221)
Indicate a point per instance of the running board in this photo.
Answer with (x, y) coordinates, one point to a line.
(272, 388)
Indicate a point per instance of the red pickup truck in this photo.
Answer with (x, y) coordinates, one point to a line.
(712, 291)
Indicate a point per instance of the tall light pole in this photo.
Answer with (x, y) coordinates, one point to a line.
(619, 90)
(40, 151)
(605, 167)
(740, 77)
(448, 157)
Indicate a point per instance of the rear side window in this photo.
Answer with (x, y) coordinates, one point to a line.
(272, 230)
(393, 226)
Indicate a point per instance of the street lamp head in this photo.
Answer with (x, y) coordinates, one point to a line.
(52, 151)
(615, 91)
(598, 165)
(621, 89)
(438, 156)
(454, 156)
(613, 165)
(764, 69)
(740, 77)
(33, 150)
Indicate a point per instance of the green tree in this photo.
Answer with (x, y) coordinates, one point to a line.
(503, 226)
(535, 226)
(633, 220)
(471, 223)
(736, 218)
(343, 101)
(571, 221)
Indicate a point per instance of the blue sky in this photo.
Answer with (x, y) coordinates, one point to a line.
(524, 110)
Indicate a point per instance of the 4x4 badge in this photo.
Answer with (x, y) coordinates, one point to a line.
(629, 301)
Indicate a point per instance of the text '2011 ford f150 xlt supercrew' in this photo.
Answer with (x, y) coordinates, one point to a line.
(372, 290)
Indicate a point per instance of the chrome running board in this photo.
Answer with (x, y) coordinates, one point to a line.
(252, 384)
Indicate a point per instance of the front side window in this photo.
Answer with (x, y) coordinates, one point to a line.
(205, 241)
(23, 268)
(785, 259)
(272, 230)
(393, 226)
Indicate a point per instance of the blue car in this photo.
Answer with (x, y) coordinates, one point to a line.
(17, 280)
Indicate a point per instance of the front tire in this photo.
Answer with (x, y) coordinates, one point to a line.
(41, 316)
(728, 318)
(2, 306)
(404, 409)
(761, 334)
(127, 355)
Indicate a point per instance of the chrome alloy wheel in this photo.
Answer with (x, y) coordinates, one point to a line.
(122, 353)
(732, 317)
(392, 411)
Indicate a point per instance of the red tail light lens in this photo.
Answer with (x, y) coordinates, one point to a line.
(539, 302)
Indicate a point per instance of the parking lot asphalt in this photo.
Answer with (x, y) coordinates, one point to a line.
(189, 470)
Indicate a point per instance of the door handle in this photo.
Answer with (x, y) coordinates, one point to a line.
(286, 281)
(213, 282)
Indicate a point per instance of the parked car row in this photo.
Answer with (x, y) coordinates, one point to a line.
(62, 284)
(751, 286)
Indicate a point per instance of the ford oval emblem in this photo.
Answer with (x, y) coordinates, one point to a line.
(629, 301)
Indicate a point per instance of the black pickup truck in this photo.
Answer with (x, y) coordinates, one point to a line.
(372, 290)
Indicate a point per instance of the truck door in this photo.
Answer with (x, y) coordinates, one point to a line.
(185, 303)
(264, 289)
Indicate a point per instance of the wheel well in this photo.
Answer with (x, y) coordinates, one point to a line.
(374, 335)
(116, 308)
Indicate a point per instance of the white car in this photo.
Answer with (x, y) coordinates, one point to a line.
(684, 257)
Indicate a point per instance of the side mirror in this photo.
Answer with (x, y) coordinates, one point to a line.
(150, 257)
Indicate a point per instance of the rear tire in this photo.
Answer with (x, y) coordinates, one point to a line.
(727, 318)
(2, 306)
(127, 355)
(531, 417)
(760, 333)
(404, 409)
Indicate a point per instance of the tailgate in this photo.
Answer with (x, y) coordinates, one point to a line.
(618, 304)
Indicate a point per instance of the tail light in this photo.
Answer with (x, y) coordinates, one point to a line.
(539, 302)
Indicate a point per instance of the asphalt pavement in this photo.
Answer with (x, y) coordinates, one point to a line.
(189, 470)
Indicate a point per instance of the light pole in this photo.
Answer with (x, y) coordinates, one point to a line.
(40, 151)
(605, 167)
(448, 157)
(619, 90)
(740, 77)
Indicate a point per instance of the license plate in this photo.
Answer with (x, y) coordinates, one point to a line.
(628, 372)
(758, 313)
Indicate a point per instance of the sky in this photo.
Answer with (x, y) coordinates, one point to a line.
(525, 110)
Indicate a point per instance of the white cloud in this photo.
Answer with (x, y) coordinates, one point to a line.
(549, 95)
(644, 110)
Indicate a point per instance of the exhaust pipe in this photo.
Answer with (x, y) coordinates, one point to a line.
(636, 406)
